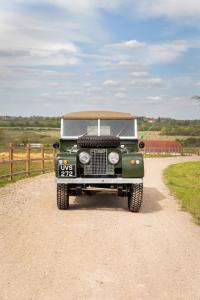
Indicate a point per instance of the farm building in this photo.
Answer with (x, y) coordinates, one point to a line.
(162, 147)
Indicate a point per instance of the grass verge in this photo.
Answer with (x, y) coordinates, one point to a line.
(183, 180)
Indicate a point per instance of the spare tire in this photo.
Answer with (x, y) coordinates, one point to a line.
(103, 141)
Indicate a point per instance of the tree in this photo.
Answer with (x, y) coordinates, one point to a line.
(196, 97)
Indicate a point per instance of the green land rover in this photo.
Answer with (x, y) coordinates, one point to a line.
(99, 151)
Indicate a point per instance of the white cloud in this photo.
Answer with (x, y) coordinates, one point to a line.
(87, 74)
(167, 52)
(86, 85)
(120, 95)
(68, 46)
(131, 44)
(153, 98)
(197, 84)
(149, 53)
(140, 74)
(85, 6)
(168, 8)
(175, 98)
(148, 82)
(95, 89)
(39, 42)
(110, 82)
(47, 58)
(45, 95)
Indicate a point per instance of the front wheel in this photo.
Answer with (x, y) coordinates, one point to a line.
(62, 196)
(135, 197)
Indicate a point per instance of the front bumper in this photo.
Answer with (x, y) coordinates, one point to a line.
(100, 180)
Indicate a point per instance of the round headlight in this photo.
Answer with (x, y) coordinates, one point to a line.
(84, 157)
(113, 158)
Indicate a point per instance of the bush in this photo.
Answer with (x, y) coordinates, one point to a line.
(191, 142)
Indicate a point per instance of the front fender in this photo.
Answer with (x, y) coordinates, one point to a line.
(132, 170)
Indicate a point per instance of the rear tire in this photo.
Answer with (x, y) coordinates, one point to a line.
(62, 196)
(135, 197)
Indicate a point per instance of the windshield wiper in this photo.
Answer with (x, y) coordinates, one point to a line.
(85, 133)
(122, 130)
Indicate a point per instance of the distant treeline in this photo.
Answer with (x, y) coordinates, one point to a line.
(165, 126)
(33, 121)
(170, 126)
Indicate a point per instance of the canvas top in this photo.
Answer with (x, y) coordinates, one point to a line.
(94, 115)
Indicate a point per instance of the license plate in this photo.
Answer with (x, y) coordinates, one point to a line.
(67, 170)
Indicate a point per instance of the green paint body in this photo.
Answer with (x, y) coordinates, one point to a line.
(130, 152)
(132, 171)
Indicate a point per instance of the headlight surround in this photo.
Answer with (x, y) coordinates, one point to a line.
(84, 157)
(113, 158)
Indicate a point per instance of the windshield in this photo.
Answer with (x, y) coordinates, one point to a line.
(80, 127)
(117, 127)
(76, 128)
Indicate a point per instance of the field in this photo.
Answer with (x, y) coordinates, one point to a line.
(184, 182)
(45, 130)
(18, 135)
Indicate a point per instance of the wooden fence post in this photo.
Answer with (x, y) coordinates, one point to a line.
(42, 159)
(28, 157)
(11, 160)
(54, 153)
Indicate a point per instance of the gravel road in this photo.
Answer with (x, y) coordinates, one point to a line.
(97, 250)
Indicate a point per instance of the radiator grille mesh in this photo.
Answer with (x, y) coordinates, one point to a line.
(98, 163)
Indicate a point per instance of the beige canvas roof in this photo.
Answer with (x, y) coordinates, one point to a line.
(93, 115)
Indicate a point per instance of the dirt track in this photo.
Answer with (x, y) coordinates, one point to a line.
(97, 250)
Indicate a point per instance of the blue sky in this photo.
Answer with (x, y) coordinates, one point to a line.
(135, 56)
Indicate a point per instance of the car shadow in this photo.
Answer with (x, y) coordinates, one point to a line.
(99, 201)
(108, 201)
(151, 200)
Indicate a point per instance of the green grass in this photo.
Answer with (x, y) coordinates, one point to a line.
(158, 155)
(183, 180)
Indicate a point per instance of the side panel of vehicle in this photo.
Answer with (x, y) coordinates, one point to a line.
(132, 165)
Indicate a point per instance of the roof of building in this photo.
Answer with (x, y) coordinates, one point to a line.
(94, 115)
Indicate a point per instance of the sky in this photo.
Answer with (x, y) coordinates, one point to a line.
(141, 57)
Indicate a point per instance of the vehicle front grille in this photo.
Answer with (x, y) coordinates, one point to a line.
(98, 163)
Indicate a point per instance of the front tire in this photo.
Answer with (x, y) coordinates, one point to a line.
(135, 197)
(62, 196)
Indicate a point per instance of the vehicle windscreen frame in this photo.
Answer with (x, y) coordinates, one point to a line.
(98, 131)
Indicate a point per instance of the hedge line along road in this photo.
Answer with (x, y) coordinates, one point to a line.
(97, 250)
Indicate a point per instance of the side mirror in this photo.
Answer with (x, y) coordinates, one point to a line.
(141, 145)
(56, 145)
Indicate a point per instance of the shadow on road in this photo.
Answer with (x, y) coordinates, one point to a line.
(151, 200)
(100, 201)
(106, 201)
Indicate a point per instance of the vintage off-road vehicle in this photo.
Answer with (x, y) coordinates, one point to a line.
(99, 152)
